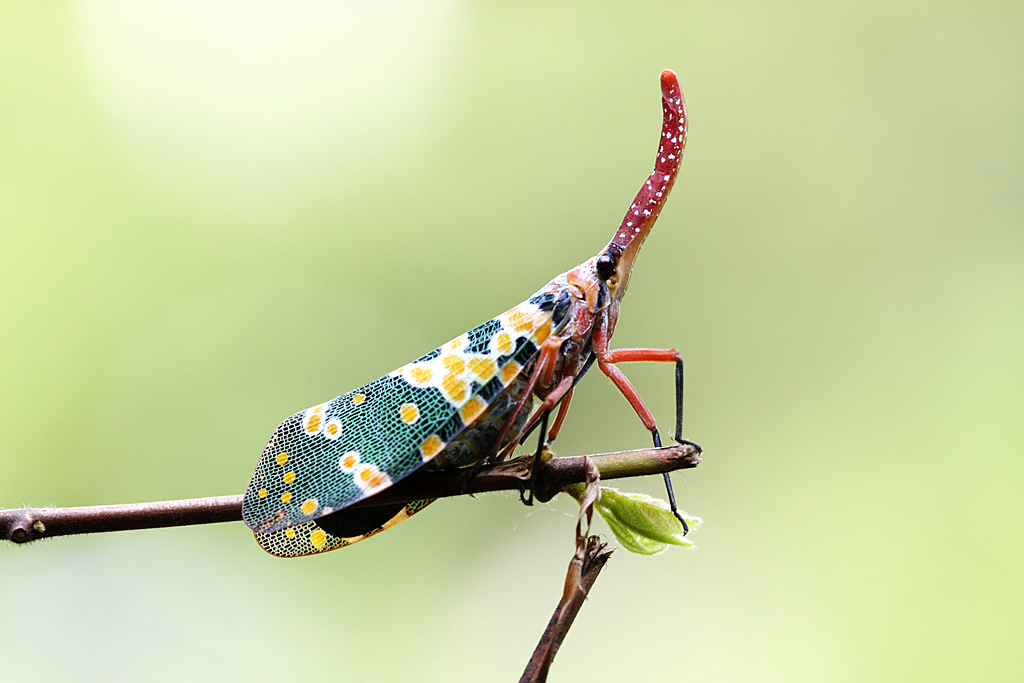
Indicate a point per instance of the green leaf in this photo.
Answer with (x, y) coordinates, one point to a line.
(641, 523)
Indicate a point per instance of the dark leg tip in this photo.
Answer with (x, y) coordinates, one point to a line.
(686, 528)
(684, 442)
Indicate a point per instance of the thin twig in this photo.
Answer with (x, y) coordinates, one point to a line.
(586, 563)
(30, 524)
(597, 554)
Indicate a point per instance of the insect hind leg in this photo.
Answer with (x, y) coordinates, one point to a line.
(607, 363)
(668, 487)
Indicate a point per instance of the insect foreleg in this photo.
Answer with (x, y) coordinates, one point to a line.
(563, 407)
(546, 358)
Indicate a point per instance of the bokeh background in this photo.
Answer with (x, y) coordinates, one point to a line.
(213, 216)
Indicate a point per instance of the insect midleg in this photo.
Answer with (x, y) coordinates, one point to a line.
(557, 396)
(534, 421)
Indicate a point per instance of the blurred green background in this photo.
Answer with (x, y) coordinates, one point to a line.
(215, 216)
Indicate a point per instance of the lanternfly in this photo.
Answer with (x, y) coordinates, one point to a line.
(468, 401)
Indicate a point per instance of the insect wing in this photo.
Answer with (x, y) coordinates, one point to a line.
(336, 453)
(310, 537)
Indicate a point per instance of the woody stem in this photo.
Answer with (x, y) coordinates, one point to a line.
(22, 525)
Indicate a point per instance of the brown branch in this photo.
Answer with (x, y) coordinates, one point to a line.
(30, 524)
(594, 558)
(586, 563)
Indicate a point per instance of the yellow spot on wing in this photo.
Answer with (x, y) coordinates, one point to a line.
(348, 461)
(313, 423)
(421, 374)
(482, 368)
(289, 532)
(289, 477)
(370, 479)
(542, 332)
(518, 319)
(454, 364)
(282, 458)
(509, 372)
(358, 399)
(432, 446)
(454, 388)
(318, 538)
(262, 493)
(472, 410)
(504, 343)
(286, 497)
(409, 412)
(309, 506)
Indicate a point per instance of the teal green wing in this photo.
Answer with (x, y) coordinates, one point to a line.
(336, 453)
(309, 538)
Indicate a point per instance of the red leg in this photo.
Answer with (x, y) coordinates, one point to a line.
(606, 360)
(545, 361)
(564, 388)
(563, 408)
(629, 355)
(620, 381)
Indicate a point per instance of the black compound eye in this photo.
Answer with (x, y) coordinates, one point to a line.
(606, 265)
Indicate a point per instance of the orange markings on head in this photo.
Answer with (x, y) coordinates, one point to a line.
(482, 367)
(432, 446)
(472, 410)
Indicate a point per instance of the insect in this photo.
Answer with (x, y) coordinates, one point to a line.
(469, 401)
